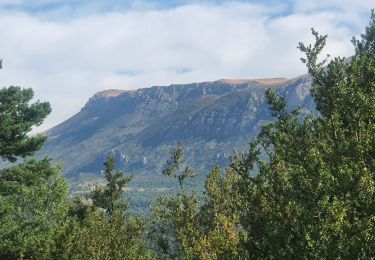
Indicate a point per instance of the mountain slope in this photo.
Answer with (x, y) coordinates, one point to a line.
(141, 126)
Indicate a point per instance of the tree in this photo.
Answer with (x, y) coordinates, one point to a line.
(32, 209)
(176, 166)
(175, 230)
(101, 236)
(33, 193)
(109, 197)
(104, 229)
(17, 116)
(306, 186)
(185, 227)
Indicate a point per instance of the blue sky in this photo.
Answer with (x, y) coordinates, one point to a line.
(71, 9)
(69, 50)
(116, 5)
(63, 10)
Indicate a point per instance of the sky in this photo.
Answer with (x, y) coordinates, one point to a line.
(69, 50)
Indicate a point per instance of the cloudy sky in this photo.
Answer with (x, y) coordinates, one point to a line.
(69, 50)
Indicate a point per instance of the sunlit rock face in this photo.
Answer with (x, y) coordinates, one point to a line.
(140, 127)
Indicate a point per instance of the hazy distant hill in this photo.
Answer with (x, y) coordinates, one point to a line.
(141, 126)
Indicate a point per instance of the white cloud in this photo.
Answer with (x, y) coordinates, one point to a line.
(67, 61)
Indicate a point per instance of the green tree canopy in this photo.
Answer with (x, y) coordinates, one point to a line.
(306, 188)
(17, 116)
(32, 209)
(32, 194)
(104, 229)
(110, 196)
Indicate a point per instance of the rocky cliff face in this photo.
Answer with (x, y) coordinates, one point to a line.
(140, 127)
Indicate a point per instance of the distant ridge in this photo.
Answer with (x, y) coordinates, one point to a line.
(270, 81)
(265, 82)
(140, 126)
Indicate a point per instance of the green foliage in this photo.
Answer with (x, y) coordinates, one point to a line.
(110, 196)
(99, 227)
(177, 168)
(306, 187)
(182, 229)
(175, 228)
(105, 237)
(17, 117)
(79, 208)
(32, 208)
(223, 234)
(32, 194)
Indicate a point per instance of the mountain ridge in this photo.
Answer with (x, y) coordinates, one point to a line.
(261, 81)
(141, 126)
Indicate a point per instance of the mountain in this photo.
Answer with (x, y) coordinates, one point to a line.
(140, 127)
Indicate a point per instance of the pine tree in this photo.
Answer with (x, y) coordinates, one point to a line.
(17, 116)
(33, 193)
(109, 197)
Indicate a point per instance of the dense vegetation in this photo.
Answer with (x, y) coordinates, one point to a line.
(305, 189)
